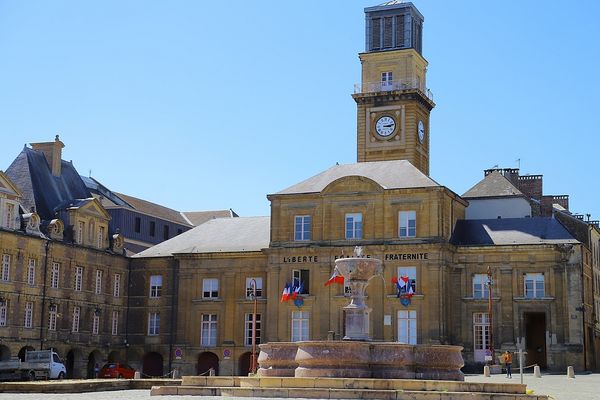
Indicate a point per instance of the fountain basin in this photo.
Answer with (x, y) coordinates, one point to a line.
(351, 359)
(359, 268)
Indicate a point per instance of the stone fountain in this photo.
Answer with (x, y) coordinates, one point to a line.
(357, 356)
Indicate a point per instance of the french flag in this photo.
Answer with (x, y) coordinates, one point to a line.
(335, 278)
(297, 291)
(285, 295)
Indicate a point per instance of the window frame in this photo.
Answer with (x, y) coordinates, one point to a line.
(31, 272)
(98, 288)
(95, 324)
(153, 323)
(28, 317)
(117, 285)
(155, 288)
(484, 286)
(55, 275)
(259, 287)
(412, 274)
(209, 330)
(78, 284)
(52, 315)
(302, 276)
(535, 290)
(76, 317)
(5, 273)
(410, 330)
(353, 226)
(248, 322)
(212, 292)
(302, 228)
(404, 220)
(4, 313)
(115, 323)
(300, 329)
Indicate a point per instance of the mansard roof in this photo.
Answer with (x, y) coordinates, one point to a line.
(493, 185)
(395, 174)
(510, 231)
(32, 174)
(200, 217)
(221, 235)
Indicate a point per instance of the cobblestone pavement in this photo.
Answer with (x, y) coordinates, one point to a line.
(583, 387)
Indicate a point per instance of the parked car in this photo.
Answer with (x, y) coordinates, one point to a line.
(116, 370)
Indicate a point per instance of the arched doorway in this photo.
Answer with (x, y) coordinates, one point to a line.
(70, 363)
(206, 361)
(23, 350)
(152, 365)
(94, 358)
(4, 353)
(244, 364)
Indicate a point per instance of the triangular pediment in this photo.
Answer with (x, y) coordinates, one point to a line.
(8, 188)
(92, 207)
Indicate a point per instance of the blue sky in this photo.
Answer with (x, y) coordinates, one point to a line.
(209, 105)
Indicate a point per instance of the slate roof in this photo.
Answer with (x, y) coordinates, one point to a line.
(200, 217)
(510, 231)
(396, 174)
(493, 185)
(154, 209)
(219, 235)
(32, 174)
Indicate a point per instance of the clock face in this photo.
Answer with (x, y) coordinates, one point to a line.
(385, 126)
(421, 131)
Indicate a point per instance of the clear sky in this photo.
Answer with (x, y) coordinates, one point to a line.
(202, 105)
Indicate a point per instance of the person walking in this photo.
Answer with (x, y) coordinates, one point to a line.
(507, 358)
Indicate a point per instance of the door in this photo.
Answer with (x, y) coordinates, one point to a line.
(535, 338)
(481, 336)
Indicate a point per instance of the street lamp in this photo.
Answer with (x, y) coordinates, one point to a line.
(253, 359)
(490, 283)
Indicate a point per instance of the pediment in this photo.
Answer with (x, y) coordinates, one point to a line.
(8, 188)
(353, 184)
(92, 207)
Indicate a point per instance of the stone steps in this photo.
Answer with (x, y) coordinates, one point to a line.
(345, 388)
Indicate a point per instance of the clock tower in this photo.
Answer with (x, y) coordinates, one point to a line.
(393, 102)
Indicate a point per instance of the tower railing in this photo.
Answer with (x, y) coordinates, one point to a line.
(388, 86)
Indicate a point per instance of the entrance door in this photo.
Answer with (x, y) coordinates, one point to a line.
(535, 338)
(481, 336)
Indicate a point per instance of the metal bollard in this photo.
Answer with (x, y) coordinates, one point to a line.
(486, 371)
(570, 372)
(136, 375)
(536, 371)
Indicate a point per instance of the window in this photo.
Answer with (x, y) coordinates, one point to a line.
(5, 267)
(117, 285)
(249, 288)
(52, 318)
(138, 225)
(408, 224)
(248, 331)
(386, 80)
(155, 285)
(534, 286)
(78, 278)
(31, 272)
(152, 228)
(302, 227)
(165, 232)
(480, 286)
(354, 226)
(210, 288)
(411, 272)
(95, 324)
(54, 275)
(3, 312)
(481, 335)
(98, 281)
(79, 233)
(101, 237)
(115, 323)
(208, 331)
(153, 323)
(28, 323)
(301, 277)
(300, 324)
(407, 326)
(9, 216)
(76, 315)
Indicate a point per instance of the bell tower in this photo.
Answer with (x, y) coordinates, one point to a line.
(393, 102)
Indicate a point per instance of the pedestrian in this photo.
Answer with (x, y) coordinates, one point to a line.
(96, 370)
(507, 358)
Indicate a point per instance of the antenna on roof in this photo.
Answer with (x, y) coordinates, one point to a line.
(518, 163)
(90, 173)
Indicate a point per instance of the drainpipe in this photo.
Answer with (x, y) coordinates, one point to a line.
(45, 284)
(128, 288)
(174, 289)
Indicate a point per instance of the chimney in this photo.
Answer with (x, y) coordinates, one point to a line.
(53, 153)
